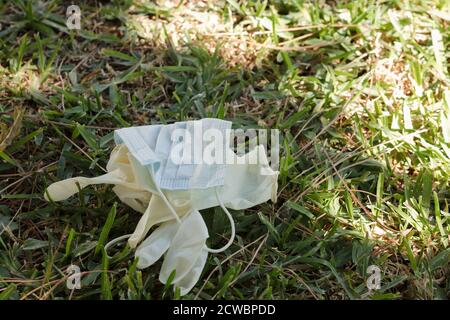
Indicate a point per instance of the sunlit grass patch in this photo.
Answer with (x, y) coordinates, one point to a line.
(358, 89)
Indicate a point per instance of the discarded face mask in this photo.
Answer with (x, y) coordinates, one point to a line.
(170, 193)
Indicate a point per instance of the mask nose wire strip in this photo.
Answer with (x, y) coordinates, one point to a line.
(114, 241)
(233, 231)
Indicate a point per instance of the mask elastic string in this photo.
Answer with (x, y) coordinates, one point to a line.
(233, 232)
(114, 241)
(166, 201)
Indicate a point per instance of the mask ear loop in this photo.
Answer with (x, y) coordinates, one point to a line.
(166, 201)
(114, 241)
(233, 231)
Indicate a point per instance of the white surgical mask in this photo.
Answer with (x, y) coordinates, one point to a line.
(153, 147)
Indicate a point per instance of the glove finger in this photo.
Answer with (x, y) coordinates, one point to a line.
(186, 247)
(62, 190)
(191, 278)
(152, 248)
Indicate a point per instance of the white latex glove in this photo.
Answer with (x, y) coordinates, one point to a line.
(185, 244)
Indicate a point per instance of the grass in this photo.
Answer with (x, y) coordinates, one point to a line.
(359, 90)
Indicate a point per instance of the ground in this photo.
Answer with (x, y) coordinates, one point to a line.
(358, 89)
